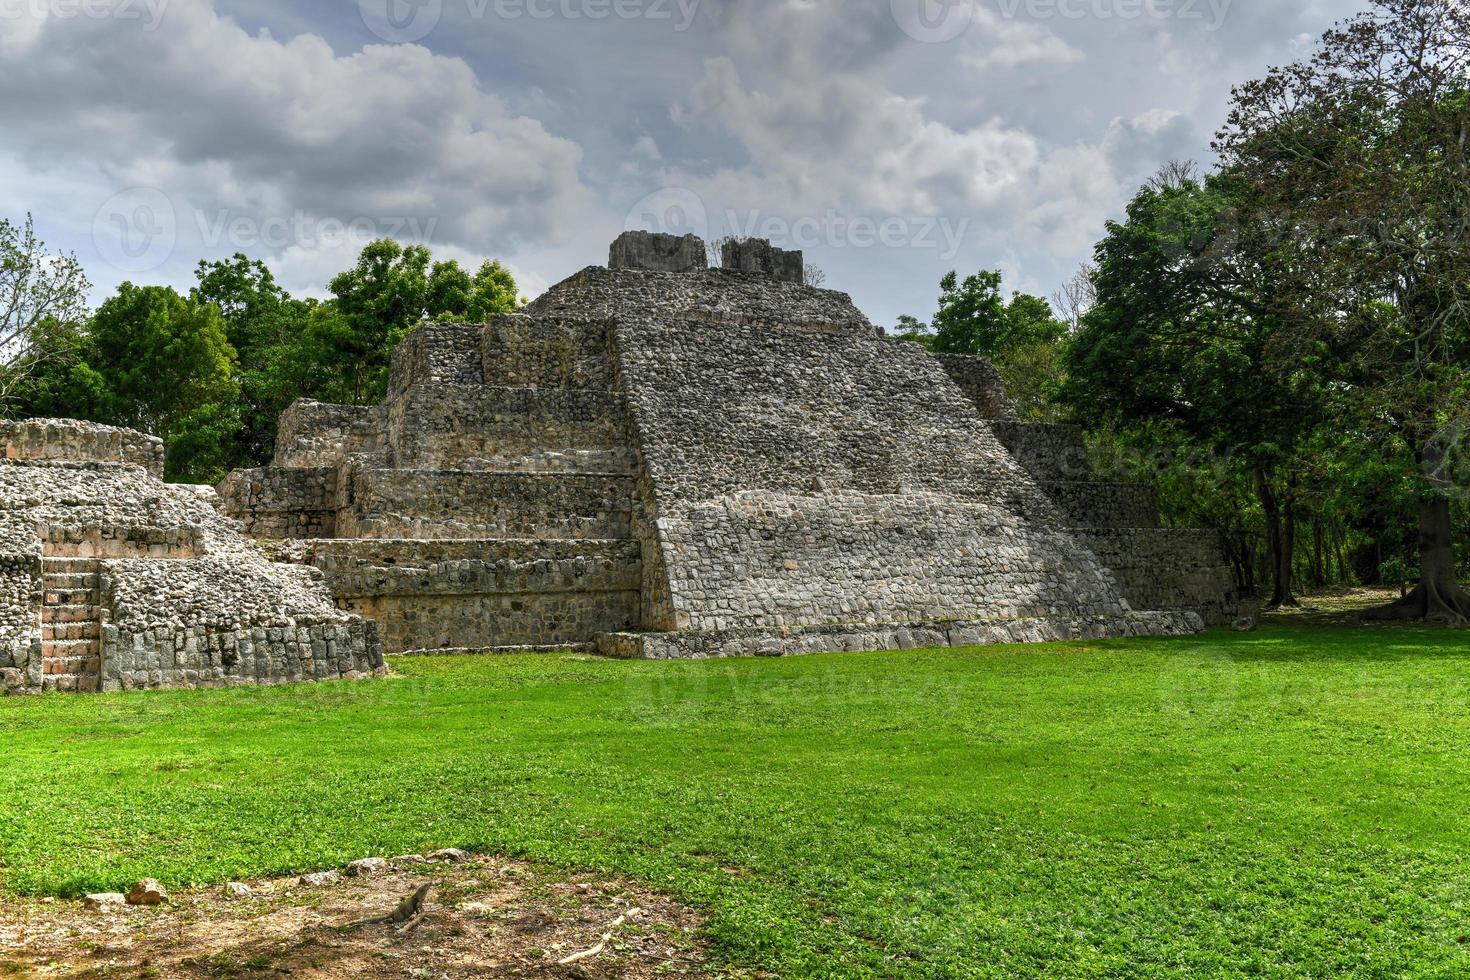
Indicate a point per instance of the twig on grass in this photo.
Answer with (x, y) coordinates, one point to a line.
(602, 943)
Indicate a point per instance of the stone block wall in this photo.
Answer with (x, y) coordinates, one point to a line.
(437, 353)
(498, 510)
(547, 352)
(981, 383)
(653, 252)
(761, 257)
(1155, 568)
(436, 595)
(1168, 568)
(404, 503)
(315, 434)
(39, 440)
(478, 427)
(284, 502)
(806, 479)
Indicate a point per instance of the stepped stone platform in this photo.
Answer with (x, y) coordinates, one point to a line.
(111, 579)
(659, 459)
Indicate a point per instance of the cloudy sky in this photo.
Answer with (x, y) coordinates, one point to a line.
(891, 139)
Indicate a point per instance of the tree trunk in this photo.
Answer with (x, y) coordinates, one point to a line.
(1278, 543)
(1438, 598)
(1319, 573)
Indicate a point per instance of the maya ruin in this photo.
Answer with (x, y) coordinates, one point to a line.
(656, 459)
(660, 459)
(114, 580)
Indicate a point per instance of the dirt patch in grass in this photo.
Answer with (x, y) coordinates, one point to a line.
(482, 917)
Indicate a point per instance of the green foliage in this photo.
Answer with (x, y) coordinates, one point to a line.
(1354, 168)
(973, 318)
(211, 373)
(1074, 810)
(1022, 338)
(153, 360)
(42, 302)
(267, 329)
(389, 292)
(168, 368)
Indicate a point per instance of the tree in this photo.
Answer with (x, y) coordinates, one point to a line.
(150, 359)
(973, 318)
(1075, 297)
(390, 290)
(1356, 165)
(266, 327)
(42, 301)
(1179, 338)
(1022, 337)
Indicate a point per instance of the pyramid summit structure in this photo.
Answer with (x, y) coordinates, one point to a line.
(661, 459)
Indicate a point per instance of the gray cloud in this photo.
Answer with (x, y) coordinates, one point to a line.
(530, 138)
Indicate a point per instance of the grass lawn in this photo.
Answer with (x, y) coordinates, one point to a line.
(1291, 802)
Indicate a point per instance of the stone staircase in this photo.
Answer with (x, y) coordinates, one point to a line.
(71, 625)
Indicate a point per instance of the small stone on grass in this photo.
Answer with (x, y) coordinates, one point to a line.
(147, 892)
(367, 867)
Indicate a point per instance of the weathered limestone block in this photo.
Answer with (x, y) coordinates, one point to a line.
(477, 427)
(759, 256)
(437, 353)
(547, 352)
(314, 434)
(467, 504)
(283, 502)
(1051, 453)
(1086, 503)
(648, 251)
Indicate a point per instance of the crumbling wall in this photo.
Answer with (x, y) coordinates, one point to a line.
(39, 440)
(315, 434)
(761, 257)
(114, 580)
(653, 252)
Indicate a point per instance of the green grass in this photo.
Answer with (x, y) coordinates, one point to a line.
(1292, 802)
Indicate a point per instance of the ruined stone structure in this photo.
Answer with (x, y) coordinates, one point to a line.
(658, 459)
(111, 579)
(1155, 567)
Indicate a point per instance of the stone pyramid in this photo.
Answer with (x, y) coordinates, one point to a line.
(658, 459)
